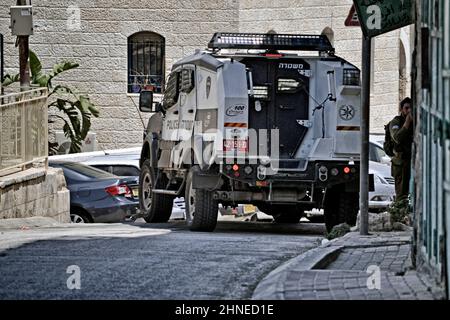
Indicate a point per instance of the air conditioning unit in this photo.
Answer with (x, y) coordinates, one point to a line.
(88, 145)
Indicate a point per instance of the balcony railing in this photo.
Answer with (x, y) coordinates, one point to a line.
(23, 129)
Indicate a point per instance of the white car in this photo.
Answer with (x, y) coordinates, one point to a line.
(376, 150)
(380, 167)
(384, 193)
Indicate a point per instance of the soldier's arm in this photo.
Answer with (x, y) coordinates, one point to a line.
(400, 134)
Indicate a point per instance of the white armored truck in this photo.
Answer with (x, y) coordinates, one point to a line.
(267, 119)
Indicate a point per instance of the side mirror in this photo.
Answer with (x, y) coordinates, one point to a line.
(146, 101)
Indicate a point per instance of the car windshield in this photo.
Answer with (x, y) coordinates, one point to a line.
(87, 171)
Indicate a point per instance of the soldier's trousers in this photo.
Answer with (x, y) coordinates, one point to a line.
(402, 175)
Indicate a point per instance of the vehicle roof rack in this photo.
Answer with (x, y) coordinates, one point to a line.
(269, 41)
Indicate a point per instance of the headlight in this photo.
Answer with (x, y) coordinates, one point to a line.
(381, 198)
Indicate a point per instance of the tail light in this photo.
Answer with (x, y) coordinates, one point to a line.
(120, 190)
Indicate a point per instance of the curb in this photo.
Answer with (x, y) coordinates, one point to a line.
(272, 286)
(26, 223)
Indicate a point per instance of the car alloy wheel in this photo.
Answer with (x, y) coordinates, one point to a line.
(75, 218)
(147, 191)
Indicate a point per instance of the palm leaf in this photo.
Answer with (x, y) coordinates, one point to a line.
(75, 144)
(59, 68)
(35, 67)
(9, 79)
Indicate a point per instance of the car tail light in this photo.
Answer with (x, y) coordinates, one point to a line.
(120, 190)
(346, 170)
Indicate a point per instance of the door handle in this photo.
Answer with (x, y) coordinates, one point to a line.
(191, 111)
(286, 107)
(175, 112)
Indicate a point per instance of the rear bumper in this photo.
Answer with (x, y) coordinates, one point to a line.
(304, 176)
(113, 209)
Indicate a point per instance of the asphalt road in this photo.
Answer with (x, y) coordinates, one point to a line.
(142, 261)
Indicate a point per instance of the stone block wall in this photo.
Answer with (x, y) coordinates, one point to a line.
(35, 192)
(100, 46)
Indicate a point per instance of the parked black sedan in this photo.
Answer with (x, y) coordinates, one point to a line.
(98, 196)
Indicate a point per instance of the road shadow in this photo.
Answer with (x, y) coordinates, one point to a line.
(302, 228)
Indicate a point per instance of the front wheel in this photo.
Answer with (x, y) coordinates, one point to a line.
(201, 208)
(155, 207)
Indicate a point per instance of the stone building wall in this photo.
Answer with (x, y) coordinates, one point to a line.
(100, 46)
(35, 192)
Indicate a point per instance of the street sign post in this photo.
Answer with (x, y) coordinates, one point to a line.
(375, 18)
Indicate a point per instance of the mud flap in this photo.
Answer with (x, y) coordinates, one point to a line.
(206, 181)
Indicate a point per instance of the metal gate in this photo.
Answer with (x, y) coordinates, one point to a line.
(446, 100)
(435, 134)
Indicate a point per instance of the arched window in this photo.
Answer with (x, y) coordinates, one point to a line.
(146, 62)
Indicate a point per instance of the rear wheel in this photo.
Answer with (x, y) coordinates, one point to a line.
(79, 216)
(155, 207)
(340, 207)
(201, 208)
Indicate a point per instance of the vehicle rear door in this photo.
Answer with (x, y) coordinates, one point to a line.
(290, 103)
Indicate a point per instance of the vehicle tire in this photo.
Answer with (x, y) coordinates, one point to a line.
(79, 216)
(340, 207)
(156, 208)
(201, 208)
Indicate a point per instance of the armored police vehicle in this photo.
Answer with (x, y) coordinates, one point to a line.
(271, 120)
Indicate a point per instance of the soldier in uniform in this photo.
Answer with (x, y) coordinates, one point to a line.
(401, 131)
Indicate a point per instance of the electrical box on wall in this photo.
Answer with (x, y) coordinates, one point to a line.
(21, 20)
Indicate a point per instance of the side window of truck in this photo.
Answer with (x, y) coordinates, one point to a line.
(172, 90)
(187, 80)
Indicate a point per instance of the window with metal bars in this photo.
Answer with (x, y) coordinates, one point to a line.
(146, 62)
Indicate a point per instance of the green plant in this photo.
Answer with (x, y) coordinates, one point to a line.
(77, 110)
(400, 211)
(338, 231)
